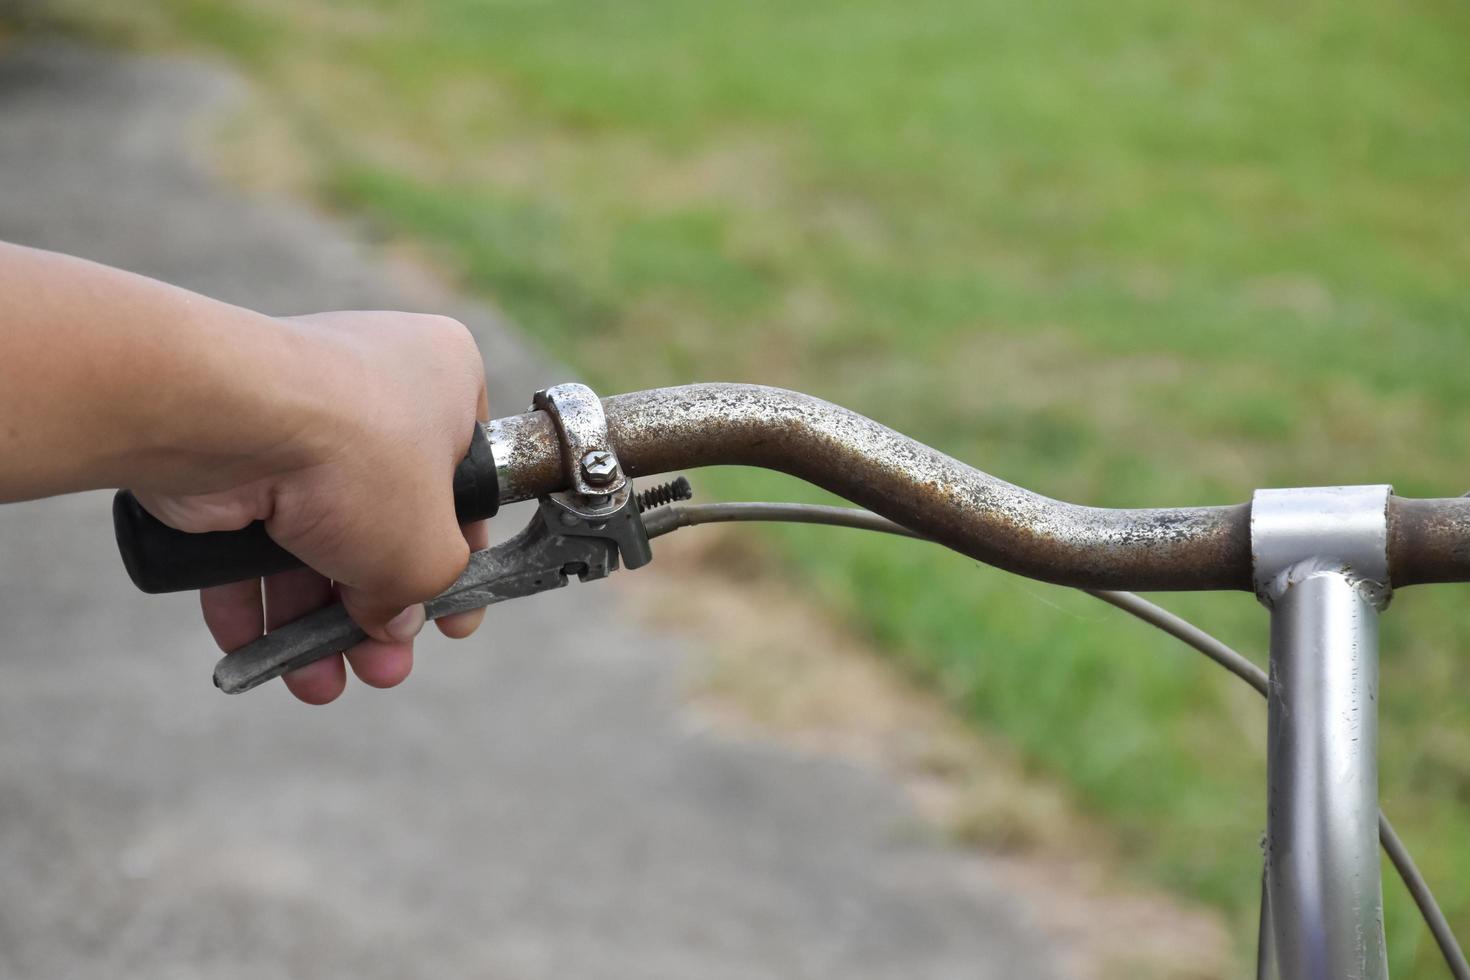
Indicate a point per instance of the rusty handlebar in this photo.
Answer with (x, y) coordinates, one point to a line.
(976, 514)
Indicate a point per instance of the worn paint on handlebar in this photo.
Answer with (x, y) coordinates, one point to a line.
(1140, 550)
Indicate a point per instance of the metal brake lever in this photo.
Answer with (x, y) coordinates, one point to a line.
(571, 534)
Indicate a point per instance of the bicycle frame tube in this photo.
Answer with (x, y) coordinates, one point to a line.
(1321, 568)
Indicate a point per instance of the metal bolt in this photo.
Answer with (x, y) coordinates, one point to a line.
(599, 467)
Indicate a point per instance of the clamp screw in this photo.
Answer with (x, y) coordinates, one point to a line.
(599, 467)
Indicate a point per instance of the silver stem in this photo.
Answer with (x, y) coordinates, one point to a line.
(1322, 781)
(1321, 567)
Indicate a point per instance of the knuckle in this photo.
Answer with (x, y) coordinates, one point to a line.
(456, 352)
(429, 571)
(448, 569)
(449, 331)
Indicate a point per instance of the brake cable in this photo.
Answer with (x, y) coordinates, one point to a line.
(660, 520)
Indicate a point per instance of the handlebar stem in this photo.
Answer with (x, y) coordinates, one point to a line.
(1321, 557)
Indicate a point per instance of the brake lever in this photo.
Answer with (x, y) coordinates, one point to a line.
(570, 534)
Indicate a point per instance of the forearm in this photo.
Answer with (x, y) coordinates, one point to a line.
(111, 379)
(340, 431)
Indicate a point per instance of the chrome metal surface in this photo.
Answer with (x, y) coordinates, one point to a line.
(1322, 781)
(599, 467)
(1321, 561)
(512, 452)
(577, 414)
(1340, 527)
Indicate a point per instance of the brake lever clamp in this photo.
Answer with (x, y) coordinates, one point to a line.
(591, 466)
(600, 503)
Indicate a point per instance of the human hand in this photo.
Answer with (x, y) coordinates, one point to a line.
(359, 488)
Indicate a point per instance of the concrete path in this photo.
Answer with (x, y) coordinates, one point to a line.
(521, 809)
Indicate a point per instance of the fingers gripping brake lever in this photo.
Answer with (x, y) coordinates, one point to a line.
(564, 538)
(585, 532)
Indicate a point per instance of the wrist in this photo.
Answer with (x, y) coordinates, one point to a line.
(242, 398)
(126, 381)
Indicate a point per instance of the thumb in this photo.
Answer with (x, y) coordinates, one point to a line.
(389, 605)
(388, 624)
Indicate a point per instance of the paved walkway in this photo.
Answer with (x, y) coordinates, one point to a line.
(521, 809)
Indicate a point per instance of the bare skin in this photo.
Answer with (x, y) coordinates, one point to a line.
(340, 430)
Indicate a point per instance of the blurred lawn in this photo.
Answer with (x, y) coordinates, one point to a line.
(1138, 253)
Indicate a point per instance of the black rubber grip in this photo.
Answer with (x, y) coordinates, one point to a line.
(162, 559)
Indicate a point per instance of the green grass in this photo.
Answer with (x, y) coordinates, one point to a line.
(1132, 254)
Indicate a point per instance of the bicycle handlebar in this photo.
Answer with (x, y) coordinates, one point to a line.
(906, 481)
(986, 518)
(666, 429)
